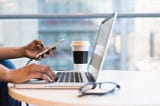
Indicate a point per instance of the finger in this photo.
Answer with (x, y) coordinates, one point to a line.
(44, 55)
(41, 57)
(39, 44)
(51, 74)
(43, 69)
(41, 76)
(38, 57)
(44, 77)
(48, 71)
(49, 52)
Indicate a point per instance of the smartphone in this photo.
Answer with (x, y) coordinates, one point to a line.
(45, 52)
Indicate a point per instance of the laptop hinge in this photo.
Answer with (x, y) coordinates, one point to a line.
(89, 77)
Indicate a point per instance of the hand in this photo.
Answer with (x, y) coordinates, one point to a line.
(33, 48)
(29, 72)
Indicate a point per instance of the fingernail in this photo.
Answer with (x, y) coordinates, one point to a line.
(38, 45)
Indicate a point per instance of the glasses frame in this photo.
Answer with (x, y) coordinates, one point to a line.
(83, 92)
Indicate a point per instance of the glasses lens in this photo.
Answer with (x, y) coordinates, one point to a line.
(107, 86)
(88, 86)
(99, 88)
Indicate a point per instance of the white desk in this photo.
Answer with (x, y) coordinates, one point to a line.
(137, 89)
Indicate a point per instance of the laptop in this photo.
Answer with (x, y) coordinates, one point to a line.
(71, 79)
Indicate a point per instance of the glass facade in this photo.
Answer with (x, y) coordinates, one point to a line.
(78, 29)
(134, 44)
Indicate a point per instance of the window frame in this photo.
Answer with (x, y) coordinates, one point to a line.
(123, 55)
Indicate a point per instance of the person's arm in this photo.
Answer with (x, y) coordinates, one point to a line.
(26, 73)
(3, 73)
(29, 51)
(11, 52)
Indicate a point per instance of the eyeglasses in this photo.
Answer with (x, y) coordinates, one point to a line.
(100, 88)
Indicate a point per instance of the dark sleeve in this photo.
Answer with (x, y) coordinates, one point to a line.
(5, 99)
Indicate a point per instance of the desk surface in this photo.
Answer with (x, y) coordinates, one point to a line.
(137, 88)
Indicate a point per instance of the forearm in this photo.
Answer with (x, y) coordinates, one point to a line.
(11, 52)
(3, 73)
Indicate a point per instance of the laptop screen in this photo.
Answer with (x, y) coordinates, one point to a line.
(101, 44)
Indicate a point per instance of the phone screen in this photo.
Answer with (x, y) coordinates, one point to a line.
(46, 51)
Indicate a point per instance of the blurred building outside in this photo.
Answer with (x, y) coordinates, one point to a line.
(140, 36)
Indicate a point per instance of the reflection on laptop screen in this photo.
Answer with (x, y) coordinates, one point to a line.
(101, 44)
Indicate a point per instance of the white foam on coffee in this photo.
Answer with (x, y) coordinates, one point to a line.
(80, 45)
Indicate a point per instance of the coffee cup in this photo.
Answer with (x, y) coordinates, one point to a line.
(80, 53)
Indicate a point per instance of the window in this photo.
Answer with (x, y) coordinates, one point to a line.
(134, 44)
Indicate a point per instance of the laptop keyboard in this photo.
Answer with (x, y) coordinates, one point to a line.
(73, 77)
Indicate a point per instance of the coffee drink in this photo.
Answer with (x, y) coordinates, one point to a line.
(80, 55)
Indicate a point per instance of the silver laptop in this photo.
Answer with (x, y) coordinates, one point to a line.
(71, 79)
